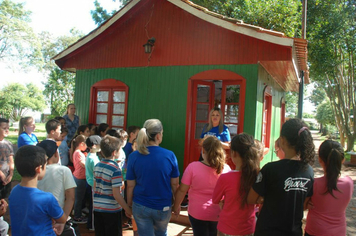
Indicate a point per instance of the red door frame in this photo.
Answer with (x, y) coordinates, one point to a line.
(267, 115)
(103, 85)
(210, 75)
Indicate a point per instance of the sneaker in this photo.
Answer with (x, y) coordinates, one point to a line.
(85, 210)
(126, 226)
(80, 220)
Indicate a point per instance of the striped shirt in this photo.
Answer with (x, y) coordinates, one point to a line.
(107, 175)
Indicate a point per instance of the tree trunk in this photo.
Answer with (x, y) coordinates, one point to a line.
(350, 142)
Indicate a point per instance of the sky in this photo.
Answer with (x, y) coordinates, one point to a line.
(56, 17)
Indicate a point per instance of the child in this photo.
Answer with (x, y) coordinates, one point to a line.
(53, 129)
(6, 168)
(200, 178)
(32, 210)
(61, 120)
(26, 128)
(132, 132)
(92, 129)
(108, 201)
(286, 184)
(79, 145)
(332, 194)
(84, 130)
(102, 129)
(261, 149)
(237, 217)
(59, 181)
(93, 143)
(278, 150)
(63, 147)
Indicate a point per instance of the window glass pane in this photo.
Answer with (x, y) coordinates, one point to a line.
(198, 129)
(117, 121)
(103, 96)
(102, 108)
(119, 96)
(119, 109)
(231, 114)
(232, 129)
(101, 119)
(232, 93)
(202, 112)
(203, 93)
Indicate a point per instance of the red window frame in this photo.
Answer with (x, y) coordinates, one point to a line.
(266, 117)
(111, 86)
(283, 112)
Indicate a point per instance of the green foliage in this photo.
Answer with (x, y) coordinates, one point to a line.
(318, 95)
(279, 15)
(19, 45)
(17, 99)
(291, 104)
(324, 114)
(100, 15)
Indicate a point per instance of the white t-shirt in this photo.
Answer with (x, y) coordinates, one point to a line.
(56, 181)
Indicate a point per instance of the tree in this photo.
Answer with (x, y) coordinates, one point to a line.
(18, 42)
(60, 84)
(324, 115)
(332, 43)
(100, 15)
(291, 104)
(318, 95)
(16, 100)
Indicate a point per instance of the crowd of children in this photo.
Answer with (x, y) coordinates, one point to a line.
(221, 201)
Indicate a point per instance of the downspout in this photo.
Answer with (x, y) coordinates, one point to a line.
(301, 83)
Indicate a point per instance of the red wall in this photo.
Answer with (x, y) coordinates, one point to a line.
(181, 39)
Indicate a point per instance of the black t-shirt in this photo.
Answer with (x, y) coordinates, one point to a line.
(284, 184)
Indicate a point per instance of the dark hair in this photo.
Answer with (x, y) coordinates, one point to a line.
(81, 129)
(332, 154)
(101, 128)
(91, 125)
(3, 120)
(64, 129)
(298, 136)
(215, 153)
(28, 158)
(109, 144)
(244, 145)
(52, 125)
(59, 118)
(132, 129)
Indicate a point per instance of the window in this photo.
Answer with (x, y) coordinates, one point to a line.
(109, 103)
(267, 116)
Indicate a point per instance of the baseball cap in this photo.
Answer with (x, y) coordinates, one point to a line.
(93, 140)
(49, 146)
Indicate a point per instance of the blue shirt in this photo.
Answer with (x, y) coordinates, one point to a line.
(25, 139)
(153, 174)
(224, 136)
(128, 149)
(72, 126)
(32, 210)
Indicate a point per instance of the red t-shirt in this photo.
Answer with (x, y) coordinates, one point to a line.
(233, 220)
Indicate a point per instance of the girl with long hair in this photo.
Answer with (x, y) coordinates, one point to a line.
(26, 128)
(200, 178)
(237, 217)
(286, 184)
(332, 194)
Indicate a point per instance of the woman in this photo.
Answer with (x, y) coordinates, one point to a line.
(72, 121)
(26, 128)
(152, 179)
(332, 194)
(217, 128)
(200, 178)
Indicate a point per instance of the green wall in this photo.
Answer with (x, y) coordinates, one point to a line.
(161, 92)
(265, 79)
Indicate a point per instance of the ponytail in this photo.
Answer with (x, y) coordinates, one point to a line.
(148, 133)
(75, 143)
(244, 145)
(332, 154)
(24, 121)
(299, 137)
(215, 153)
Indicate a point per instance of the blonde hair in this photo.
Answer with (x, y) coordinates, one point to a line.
(215, 154)
(260, 148)
(24, 121)
(148, 133)
(210, 125)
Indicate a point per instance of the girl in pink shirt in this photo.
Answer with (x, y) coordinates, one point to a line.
(332, 194)
(237, 217)
(79, 145)
(200, 178)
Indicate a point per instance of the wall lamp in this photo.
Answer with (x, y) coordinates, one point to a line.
(148, 46)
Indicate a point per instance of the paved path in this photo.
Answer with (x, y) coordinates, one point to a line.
(350, 171)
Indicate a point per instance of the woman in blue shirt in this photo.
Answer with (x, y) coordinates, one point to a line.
(26, 128)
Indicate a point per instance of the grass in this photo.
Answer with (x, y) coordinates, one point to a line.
(41, 134)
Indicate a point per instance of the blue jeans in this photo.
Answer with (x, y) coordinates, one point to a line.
(79, 196)
(203, 227)
(151, 222)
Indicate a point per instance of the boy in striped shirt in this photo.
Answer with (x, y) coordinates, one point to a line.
(108, 201)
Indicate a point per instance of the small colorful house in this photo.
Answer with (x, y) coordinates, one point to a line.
(199, 60)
